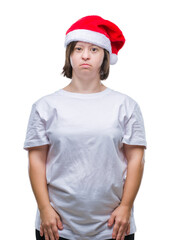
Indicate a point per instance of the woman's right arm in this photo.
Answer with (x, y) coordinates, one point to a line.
(50, 220)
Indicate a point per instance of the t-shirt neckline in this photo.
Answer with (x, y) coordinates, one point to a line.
(83, 95)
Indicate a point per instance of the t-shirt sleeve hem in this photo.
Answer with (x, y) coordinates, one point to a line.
(140, 143)
(30, 144)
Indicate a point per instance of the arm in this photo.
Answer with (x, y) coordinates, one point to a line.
(121, 215)
(50, 220)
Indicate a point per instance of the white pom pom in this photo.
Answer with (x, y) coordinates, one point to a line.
(113, 58)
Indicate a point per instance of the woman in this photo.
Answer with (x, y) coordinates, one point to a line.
(86, 144)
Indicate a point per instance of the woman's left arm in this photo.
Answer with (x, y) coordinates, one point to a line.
(121, 215)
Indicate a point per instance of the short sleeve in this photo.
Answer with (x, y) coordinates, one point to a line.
(36, 132)
(134, 129)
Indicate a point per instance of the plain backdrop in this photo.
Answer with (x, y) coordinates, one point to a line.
(31, 59)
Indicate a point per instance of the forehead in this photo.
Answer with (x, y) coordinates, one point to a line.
(81, 43)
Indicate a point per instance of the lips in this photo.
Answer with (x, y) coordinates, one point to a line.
(85, 65)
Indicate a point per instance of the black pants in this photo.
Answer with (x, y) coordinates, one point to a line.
(38, 237)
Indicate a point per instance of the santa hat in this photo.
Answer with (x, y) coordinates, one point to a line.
(98, 31)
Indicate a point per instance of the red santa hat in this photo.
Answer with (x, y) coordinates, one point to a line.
(98, 31)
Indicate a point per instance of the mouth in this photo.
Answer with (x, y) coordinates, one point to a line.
(85, 65)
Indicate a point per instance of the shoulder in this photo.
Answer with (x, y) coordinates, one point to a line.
(124, 99)
(45, 104)
(46, 99)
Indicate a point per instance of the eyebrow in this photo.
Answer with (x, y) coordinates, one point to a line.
(91, 44)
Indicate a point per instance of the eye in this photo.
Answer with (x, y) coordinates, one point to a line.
(78, 49)
(94, 49)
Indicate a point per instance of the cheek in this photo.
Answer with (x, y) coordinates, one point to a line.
(100, 60)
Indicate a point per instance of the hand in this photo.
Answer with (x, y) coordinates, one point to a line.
(121, 218)
(50, 223)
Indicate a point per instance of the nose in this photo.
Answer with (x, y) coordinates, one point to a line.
(85, 54)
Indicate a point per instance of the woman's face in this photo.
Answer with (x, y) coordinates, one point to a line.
(86, 59)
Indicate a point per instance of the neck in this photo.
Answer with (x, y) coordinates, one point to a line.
(86, 83)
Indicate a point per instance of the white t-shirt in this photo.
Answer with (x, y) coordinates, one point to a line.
(86, 167)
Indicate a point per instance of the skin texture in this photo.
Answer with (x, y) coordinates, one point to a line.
(86, 60)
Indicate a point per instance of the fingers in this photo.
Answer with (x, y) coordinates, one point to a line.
(50, 223)
(41, 231)
(123, 237)
(120, 217)
(46, 234)
(121, 233)
(111, 220)
(50, 232)
(115, 230)
(128, 229)
(59, 223)
(120, 230)
(50, 235)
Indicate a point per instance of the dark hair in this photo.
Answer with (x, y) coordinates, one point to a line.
(67, 69)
